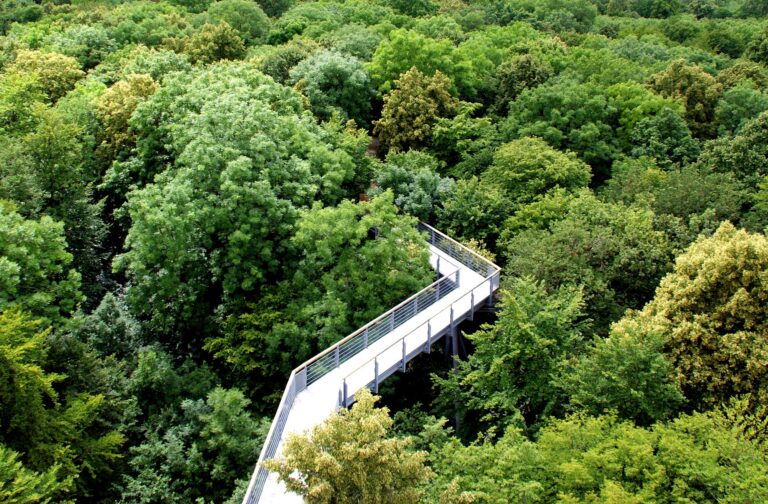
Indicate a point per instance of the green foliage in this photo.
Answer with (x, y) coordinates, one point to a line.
(412, 176)
(517, 74)
(628, 373)
(274, 8)
(474, 210)
(526, 168)
(26, 387)
(465, 143)
(244, 16)
(335, 83)
(278, 161)
(57, 74)
(349, 458)
(110, 329)
(754, 8)
(556, 15)
(89, 45)
(114, 109)
(637, 105)
(666, 139)
(697, 90)
(147, 23)
(758, 48)
(194, 5)
(613, 251)
(414, 8)
(739, 105)
(157, 63)
(721, 40)
(697, 458)
(213, 442)
(683, 192)
(412, 109)
(35, 270)
(278, 62)
(355, 39)
(757, 218)
(19, 484)
(744, 156)
(214, 43)
(568, 115)
(19, 11)
(335, 252)
(406, 49)
(43, 173)
(710, 310)
(517, 359)
(20, 96)
(218, 195)
(741, 71)
(36, 422)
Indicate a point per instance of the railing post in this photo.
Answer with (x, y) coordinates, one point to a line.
(458, 279)
(415, 305)
(472, 301)
(392, 322)
(490, 291)
(437, 298)
(365, 338)
(438, 266)
(336, 356)
(375, 375)
(429, 337)
(301, 380)
(404, 355)
(344, 387)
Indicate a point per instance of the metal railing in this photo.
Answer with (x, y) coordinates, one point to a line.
(461, 253)
(330, 359)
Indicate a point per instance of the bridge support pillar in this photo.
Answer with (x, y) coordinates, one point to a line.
(376, 376)
(455, 360)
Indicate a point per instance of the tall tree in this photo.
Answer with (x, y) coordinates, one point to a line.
(350, 458)
(512, 372)
(711, 310)
(412, 109)
(697, 90)
(35, 269)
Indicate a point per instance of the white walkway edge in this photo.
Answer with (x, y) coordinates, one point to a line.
(328, 381)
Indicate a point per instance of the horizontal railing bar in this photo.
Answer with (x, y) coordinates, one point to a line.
(400, 340)
(368, 325)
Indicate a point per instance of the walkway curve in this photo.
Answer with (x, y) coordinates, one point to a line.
(329, 380)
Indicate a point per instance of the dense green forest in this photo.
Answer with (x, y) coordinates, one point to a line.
(187, 189)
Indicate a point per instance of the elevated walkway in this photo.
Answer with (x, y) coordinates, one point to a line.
(382, 347)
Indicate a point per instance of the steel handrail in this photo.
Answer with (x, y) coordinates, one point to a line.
(373, 322)
(450, 307)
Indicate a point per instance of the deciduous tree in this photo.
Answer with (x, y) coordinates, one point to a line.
(412, 109)
(350, 458)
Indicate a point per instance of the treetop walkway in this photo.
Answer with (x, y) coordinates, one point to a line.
(329, 380)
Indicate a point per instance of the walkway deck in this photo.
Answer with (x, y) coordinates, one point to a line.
(382, 347)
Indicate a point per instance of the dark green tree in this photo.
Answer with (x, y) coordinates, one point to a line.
(697, 90)
(335, 83)
(245, 17)
(511, 374)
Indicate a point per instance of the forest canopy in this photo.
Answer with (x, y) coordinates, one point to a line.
(198, 195)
